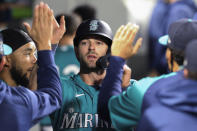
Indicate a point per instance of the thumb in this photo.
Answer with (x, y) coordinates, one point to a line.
(137, 45)
(27, 26)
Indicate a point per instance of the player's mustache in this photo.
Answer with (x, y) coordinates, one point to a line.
(92, 53)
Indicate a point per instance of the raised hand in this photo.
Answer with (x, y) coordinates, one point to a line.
(58, 30)
(42, 26)
(122, 45)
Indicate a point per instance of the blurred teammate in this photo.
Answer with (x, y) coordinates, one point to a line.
(176, 101)
(125, 109)
(85, 12)
(65, 56)
(164, 14)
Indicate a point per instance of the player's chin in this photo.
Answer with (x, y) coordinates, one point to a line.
(92, 64)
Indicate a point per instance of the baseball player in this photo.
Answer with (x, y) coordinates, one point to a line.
(21, 108)
(176, 105)
(92, 45)
(125, 109)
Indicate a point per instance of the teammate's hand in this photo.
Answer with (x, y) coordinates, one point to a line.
(126, 76)
(122, 45)
(58, 30)
(42, 26)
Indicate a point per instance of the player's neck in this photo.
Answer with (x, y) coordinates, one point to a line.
(93, 78)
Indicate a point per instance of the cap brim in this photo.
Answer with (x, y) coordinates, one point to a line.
(163, 40)
(7, 49)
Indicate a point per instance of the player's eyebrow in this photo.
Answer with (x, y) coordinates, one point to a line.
(28, 50)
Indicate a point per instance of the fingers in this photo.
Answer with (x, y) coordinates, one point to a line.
(62, 24)
(45, 14)
(128, 30)
(41, 11)
(137, 45)
(55, 23)
(118, 32)
(50, 17)
(133, 33)
(42, 26)
(123, 31)
(28, 27)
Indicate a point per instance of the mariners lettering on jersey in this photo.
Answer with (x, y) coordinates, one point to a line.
(84, 120)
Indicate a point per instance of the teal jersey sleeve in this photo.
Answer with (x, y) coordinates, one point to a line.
(125, 109)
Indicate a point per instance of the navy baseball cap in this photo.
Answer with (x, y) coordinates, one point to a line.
(190, 61)
(12, 39)
(4, 48)
(180, 33)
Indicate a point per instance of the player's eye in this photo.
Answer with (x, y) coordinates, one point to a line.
(84, 42)
(99, 43)
(27, 53)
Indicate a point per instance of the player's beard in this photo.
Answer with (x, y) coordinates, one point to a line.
(87, 68)
(18, 77)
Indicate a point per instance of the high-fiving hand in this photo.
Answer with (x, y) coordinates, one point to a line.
(42, 26)
(58, 30)
(122, 45)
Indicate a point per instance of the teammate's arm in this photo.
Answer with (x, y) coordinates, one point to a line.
(122, 49)
(49, 95)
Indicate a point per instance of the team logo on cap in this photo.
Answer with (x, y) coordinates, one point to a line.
(93, 25)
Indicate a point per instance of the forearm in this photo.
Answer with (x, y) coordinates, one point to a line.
(111, 85)
(49, 92)
(48, 77)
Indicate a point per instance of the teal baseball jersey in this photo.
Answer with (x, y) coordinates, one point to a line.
(79, 107)
(66, 60)
(125, 109)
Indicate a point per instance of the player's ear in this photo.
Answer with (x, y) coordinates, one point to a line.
(7, 60)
